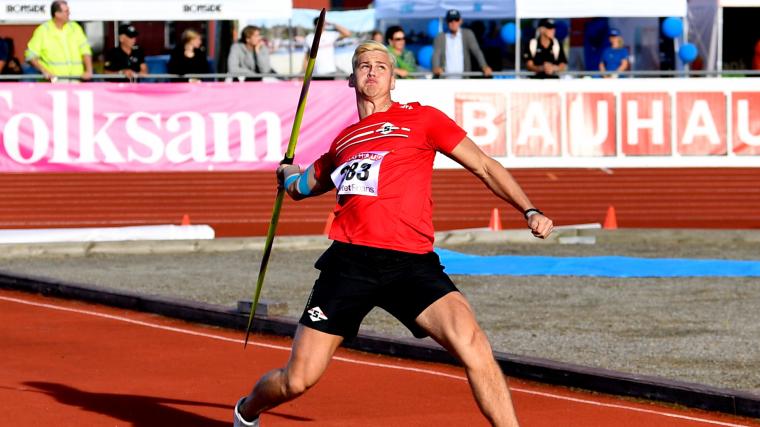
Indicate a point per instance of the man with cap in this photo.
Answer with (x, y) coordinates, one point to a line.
(127, 58)
(615, 57)
(545, 55)
(453, 50)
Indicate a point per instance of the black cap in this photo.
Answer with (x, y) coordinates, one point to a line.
(453, 15)
(546, 23)
(128, 30)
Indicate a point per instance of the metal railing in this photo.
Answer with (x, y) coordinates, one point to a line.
(229, 77)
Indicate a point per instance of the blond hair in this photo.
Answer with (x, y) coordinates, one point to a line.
(371, 46)
(188, 35)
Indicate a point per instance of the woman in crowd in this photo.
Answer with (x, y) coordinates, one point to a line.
(249, 55)
(189, 57)
(405, 62)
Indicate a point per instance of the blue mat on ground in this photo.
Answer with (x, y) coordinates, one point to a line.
(600, 266)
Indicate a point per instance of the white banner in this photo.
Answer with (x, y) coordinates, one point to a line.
(148, 10)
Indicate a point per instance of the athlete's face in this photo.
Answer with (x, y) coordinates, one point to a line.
(373, 75)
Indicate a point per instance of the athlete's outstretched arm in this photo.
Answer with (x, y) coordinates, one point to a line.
(298, 184)
(501, 182)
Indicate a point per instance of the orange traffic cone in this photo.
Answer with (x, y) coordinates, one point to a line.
(495, 223)
(185, 219)
(328, 224)
(610, 220)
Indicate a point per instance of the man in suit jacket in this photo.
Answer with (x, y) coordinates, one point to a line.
(452, 52)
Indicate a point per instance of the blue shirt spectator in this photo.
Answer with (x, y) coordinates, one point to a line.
(615, 57)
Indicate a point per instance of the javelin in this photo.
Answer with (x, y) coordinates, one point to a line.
(288, 160)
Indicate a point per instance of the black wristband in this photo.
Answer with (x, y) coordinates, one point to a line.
(527, 211)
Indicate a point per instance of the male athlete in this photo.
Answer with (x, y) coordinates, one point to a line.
(382, 254)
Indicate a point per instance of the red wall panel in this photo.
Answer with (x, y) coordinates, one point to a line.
(240, 203)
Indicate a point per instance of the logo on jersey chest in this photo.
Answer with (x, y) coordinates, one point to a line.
(387, 128)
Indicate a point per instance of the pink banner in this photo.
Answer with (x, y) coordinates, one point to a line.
(165, 127)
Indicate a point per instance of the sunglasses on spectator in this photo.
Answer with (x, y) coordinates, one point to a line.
(398, 39)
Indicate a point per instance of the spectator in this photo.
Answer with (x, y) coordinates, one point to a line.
(4, 53)
(59, 48)
(377, 36)
(189, 57)
(249, 55)
(498, 54)
(11, 64)
(127, 58)
(324, 65)
(405, 62)
(615, 57)
(453, 50)
(545, 55)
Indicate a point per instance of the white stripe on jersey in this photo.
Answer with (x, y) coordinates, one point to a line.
(337, 144)
(369, 139)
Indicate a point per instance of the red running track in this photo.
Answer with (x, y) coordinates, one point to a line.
(68, 363)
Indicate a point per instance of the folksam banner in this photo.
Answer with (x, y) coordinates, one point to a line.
(165, 127)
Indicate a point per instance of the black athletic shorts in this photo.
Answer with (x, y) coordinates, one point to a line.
(354, 279)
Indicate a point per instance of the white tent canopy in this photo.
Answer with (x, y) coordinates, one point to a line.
(739, 3)
(147, 10)
(362, 20)
(606, 8)
(426, 9)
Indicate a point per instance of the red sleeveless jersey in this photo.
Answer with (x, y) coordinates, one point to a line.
(382, 170)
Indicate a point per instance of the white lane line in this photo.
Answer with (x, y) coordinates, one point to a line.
(360, 362)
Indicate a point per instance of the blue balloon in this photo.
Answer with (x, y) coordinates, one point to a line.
(672, 27)
(561, 30)
(433, 28)
(425, 57)
(688, 53)
(509, 33)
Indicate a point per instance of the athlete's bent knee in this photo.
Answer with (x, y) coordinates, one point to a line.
(473, 345)
(296, 386)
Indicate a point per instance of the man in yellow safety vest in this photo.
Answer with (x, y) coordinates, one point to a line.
(58, 48)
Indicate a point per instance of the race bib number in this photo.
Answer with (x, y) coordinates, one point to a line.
(360, 174)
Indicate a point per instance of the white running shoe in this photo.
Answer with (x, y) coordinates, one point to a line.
(239, 421)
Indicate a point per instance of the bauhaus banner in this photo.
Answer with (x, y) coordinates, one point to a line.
(164, 127)
(602, 123)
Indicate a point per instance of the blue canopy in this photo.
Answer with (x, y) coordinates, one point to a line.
(426, 9)
(503, 9)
